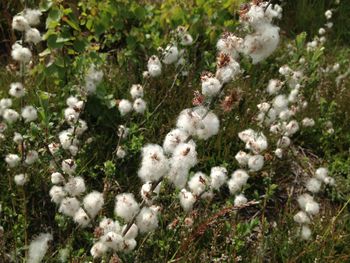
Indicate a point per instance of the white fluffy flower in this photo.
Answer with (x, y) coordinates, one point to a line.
(29, 113)
(69, 206)
(242, 158)
(81, 218)
(146, 193)
(279, 153)
(187, 200)
(256, 162)
(321, 173)
(33, 36)
(126, 207)
(75, 186)
(274, 86)
(69, 166)
(57, 178)
(21, 179)
(124, 107)
(147, 220)
(108, 225)
(173, 139)
(198, 183)
(301, 218)
(308, 122)
(21, 54)
(284, 142)
(12, 160)
(38, 247)
(154, 163)
(113, 240)
(291, 128)
(171, 54)
(199, 122)
(18, 138)
(71, 115)
(81, 127)
(230, 44)
(57, 194)
(262, 43)
(4, 104)
(313, 185)
(32, 16)
(305, 232)
(210, 87)
(10, 115)
(66, 140)
(136, 91)
(93, 203)
(19, 23)
(129, 245)
(53, 147)
(218, 176)
(186, 40)
(98, 250)
(139, 106)
(280, 103)
(17, 90)
(154, 66)
(227, 73)
(31, 157)
(328, 14)
(329, 181)
(238, 179)
(240, 200)
(121, 153)
(183, 159)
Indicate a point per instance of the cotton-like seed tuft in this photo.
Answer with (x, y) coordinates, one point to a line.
(81, 218)
(29, 113)
(240, 200)
(17, 90)
(218, 177)
(57, 194)
(124, 107)
(187, 200)
(69, 166)
(256, 163)
(313, 185)
(139, 106)
(12, 160)
(136, 91)
(21, 179)
(198, 183)
(69, 206)
(301, 218)
(154, 164)
(75, 186)
(147, 220)
(126, 207)
(93, 203)
(38, 248)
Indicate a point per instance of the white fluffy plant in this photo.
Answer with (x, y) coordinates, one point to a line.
(69, 191)
(20, 119)
(178, 155)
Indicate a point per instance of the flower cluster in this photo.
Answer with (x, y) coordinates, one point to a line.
(264, 39)
(67, 189)
(178, 155)
(28, 113)
(24, 23)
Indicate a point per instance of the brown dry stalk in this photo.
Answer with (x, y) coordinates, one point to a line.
(199, 231)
